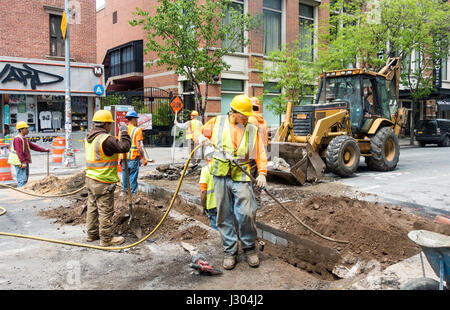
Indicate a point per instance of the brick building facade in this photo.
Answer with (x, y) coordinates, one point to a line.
(114, 32)
(32, 67)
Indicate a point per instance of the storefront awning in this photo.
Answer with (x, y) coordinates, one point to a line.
(22, 76)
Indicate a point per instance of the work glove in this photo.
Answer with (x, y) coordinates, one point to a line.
(145, 162)
(47, 150)
(209, 151)
(123, 128)
(261, 181)
(228, 156)
(203, 140)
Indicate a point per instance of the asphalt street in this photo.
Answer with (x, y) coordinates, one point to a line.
(421, 181)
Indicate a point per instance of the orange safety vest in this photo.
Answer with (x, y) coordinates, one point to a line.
(134, 151)
(263, 129)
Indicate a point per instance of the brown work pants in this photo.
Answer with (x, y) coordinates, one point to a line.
(100, 209)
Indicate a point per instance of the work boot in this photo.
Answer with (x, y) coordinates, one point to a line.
(114, 241)
(229, 262)
(92, 238)
(252, 258)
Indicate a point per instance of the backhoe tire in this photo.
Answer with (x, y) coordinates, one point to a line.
(385, 149)
(342, 156)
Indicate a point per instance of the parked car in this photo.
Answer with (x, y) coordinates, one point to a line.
(433, 132)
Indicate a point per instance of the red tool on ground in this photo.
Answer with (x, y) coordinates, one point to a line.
(200, 263)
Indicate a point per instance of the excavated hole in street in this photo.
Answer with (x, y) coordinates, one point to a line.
(376, 231)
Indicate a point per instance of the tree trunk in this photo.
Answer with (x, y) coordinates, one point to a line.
(412, 123)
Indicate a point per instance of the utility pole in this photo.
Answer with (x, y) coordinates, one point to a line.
(69, 156)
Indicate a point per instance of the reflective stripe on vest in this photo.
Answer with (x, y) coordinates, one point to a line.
(210, 195)
(193, 126)
(13, 158)
(99, 166)
(221, 136)
(134, 151)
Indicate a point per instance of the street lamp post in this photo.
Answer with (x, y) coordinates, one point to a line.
(69, 157)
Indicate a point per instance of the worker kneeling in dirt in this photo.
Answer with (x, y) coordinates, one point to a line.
(135, 154)
(234, 195)
(102, 155)
(207, 196)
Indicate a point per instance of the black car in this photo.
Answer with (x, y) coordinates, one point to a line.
(433, 132)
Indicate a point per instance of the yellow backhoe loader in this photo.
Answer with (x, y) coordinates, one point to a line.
(355, 114)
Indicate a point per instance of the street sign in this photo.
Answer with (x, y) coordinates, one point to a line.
(176, 104)
(99, 90)
(64, 25)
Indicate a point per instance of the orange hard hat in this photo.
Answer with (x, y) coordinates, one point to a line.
(254, 100)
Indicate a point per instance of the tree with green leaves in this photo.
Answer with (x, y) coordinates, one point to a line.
(294, 74)
(192, 38)
(367, 33)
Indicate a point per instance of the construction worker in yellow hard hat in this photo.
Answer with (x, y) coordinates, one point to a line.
(102, 151)
(233, 191)
(193, 129)
(20, 155)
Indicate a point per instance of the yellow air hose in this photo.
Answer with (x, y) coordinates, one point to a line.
(94, 246)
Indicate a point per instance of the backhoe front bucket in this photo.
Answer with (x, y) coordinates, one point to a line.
(296, 163)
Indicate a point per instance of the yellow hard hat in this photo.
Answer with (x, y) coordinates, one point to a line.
(194, 113)
(242, 104)
(254, 100)
(103, 116)
(21, 125)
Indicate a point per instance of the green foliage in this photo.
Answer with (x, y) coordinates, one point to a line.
(160, 117)
(387, 28)
(296, 77)
(185, 36)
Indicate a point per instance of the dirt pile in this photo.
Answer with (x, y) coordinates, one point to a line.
(54, 185)
(374, 231)
(148, 212)
(171, 172)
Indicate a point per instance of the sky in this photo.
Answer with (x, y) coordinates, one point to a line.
(100, 2)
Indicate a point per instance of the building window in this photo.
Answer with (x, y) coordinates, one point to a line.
(272, 25)
(306, 31)
(127, 60)
(115, 17)
(271, 91)
(232, 85)
(444, 68)
(115, 63)
(229, 89)
(57, 47)
(236, 5)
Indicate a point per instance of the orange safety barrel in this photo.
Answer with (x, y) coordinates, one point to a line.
(5, 167)
(58, 146)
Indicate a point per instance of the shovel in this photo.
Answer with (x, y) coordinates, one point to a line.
(132, 222)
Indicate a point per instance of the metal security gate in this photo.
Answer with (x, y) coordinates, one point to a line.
(148, 100)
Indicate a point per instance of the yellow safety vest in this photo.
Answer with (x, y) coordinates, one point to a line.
(221, 137)
(134, 151)
(13, 158)
(193, 129)
(99, 166)
(206, 177)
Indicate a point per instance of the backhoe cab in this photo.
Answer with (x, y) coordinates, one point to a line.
(355, 114)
